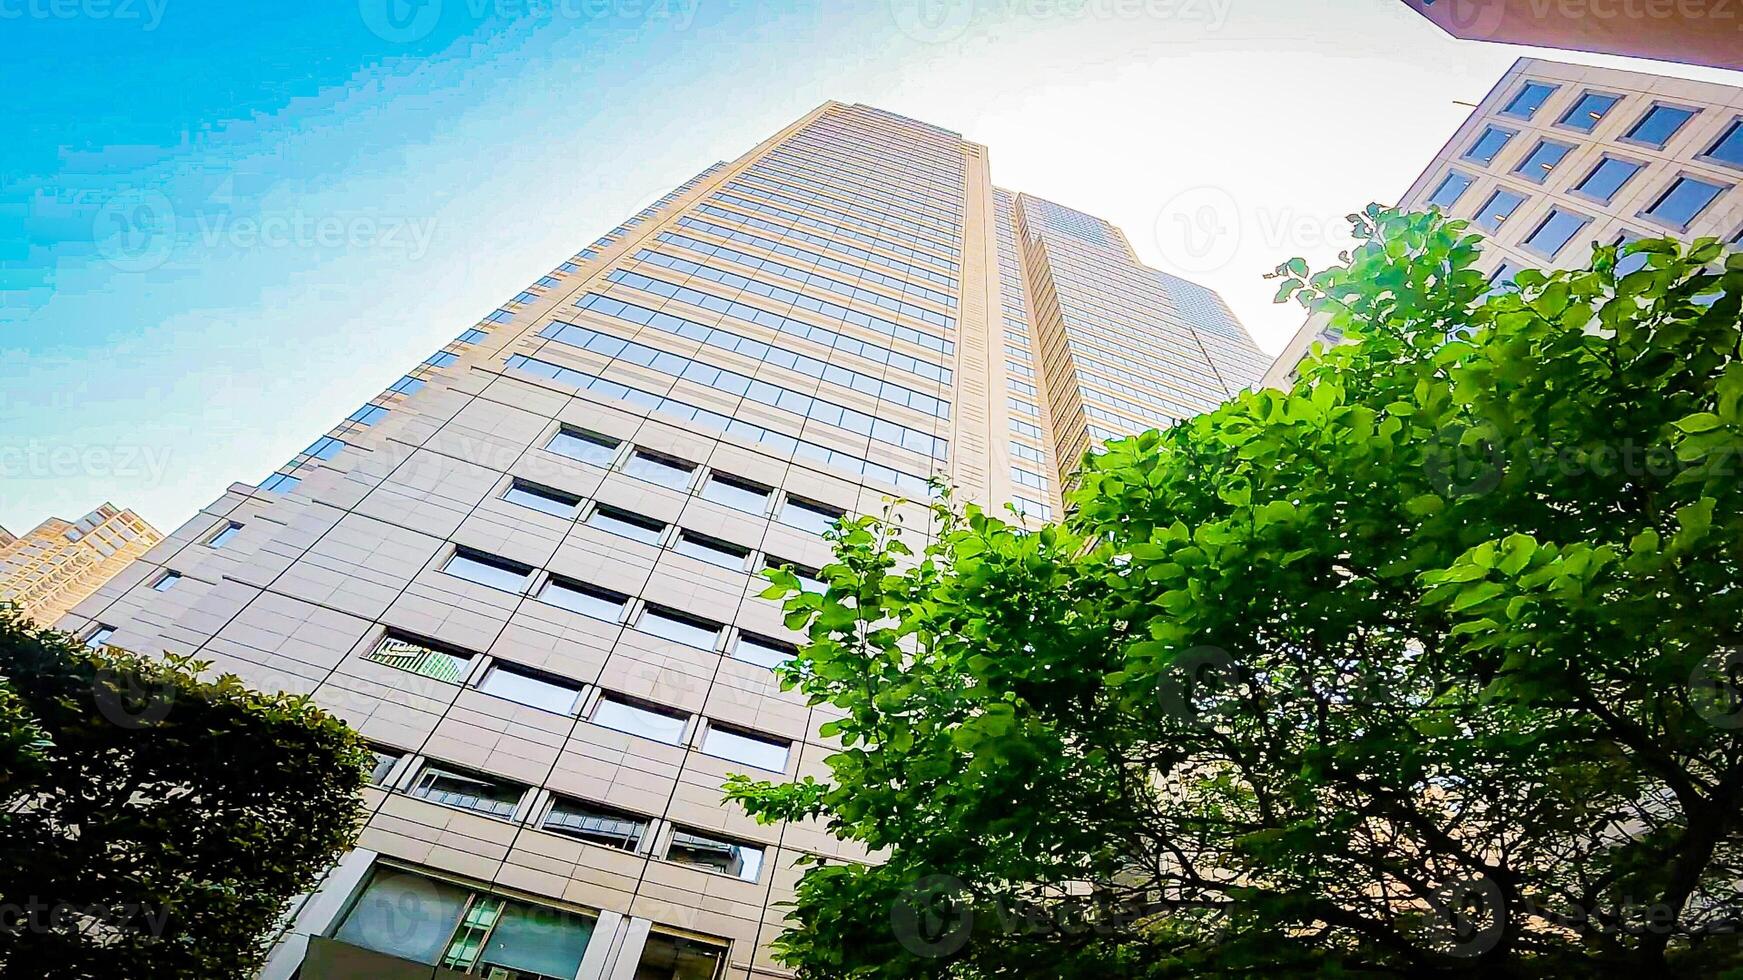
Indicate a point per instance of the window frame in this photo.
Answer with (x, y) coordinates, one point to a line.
(1676, 180)
(1629, 138)
(442, 768)
(1470, 153)
(1578, 189)
(646, 707)
(464, 553)
(589, 436)
(1550, 89)
(578, 690)
(1482, 211)
(1523, 173)
(531, 489)
(1452, 173)
(740, 484)
(1562, 121)
(1550, 215)
(1734, 129)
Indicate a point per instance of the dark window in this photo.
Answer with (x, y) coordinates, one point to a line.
(588, 600)
(480, 794)
(1590, 108)
(667, 471)
(616, 521)
(537, 497)
(736, 493)
(588, 447)
(598, 824)
(711, 550)
(679, 958)
(1555, 232)
(1729, 148)
(743, 861)
(490, 570)
(1660, 123)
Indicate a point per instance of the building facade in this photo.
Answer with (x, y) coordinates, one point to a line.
(60, 563)
(1696, 32)
(1559, 157)
(529, 571)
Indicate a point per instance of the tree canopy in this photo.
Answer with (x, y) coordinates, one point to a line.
(153, 824)
(1425, 667)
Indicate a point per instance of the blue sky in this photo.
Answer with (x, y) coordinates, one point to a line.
(223, 226)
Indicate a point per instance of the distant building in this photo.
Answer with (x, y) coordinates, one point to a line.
(59, 563)
(1561, 157)
(1695, 32)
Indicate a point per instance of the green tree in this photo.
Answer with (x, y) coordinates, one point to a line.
(1427, 667)
(153, 824)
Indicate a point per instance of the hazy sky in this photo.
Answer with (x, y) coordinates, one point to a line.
(226, 226)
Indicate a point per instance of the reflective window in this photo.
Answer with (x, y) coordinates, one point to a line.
(490, 570)
(711, 550)
(438, 923)
(523, 687)
(1607, 178)
(1451, 188)
(752, 750)
(763, 651)
(588, 447)
(1685, 199)
(1544, 158)
(421, 657)
(1729, 148)
(1498, 209)
(736, 493)
(667, 471)
(99, 636)
(1555, 232)
(1528, 100)
(1632, 261)
(441, 359)
(167, 581)
(280, 483)
(588, 600)
(385, 760)
(325, 447)
(633, 719)
(597, 824)
(367, 415)
(1586, 112)
(810, 579)
(645, 529)
(554, 502)
(480, 794)
(1490, 143)
(1503, 275)
(742, 861)
(679, 958)
(1660, 123)
(380, 919)
(224, 535)
(809, 515)
(680, 627)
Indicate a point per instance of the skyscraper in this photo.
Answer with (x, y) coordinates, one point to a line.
(1558, 157)
(528, 571)
(58, 563)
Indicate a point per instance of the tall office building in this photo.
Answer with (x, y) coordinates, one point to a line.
(1560, 157)
(60, 563)
(528, 571)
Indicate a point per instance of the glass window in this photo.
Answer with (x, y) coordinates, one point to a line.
(167, 581)
(679, 958)
(667, 471)
(1631, 262)
(441, 359)
(661, 726)
(280, 483)
(1729, 148)
(1660, 123)
(528, 942)
(367, 415)
(1544, 158)
(486, 795)
(325, 447)
(542, 498)
(421, 657)
(598, 824)
(680, 627)
(607, 518)
(405, 915)
(752, 750)
(1528, 100)
(224, 535)
(1590, 108)
(809, 515)
(1685, 199)
(736, 493)
(1498, 209)
(588, 447)
(490, 570)
(1607, 178)
(524, 687)
(471, 336)
(810, 579)
(588, 600)
(763, 651)
(1490, 143)
(99, 636)
(743, 861)
(1555, 232)
(1503, 275)
(711, 550)
(385, 760)
(1452, 187)
(406, 385)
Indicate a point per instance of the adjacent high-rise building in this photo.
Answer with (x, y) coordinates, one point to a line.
(528, 572)
(1560, 157)
(60, 563)
(1696, 32)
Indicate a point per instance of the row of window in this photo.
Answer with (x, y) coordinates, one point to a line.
(1655, 128)
(773, 191)
(477, 932)
(778, 443)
